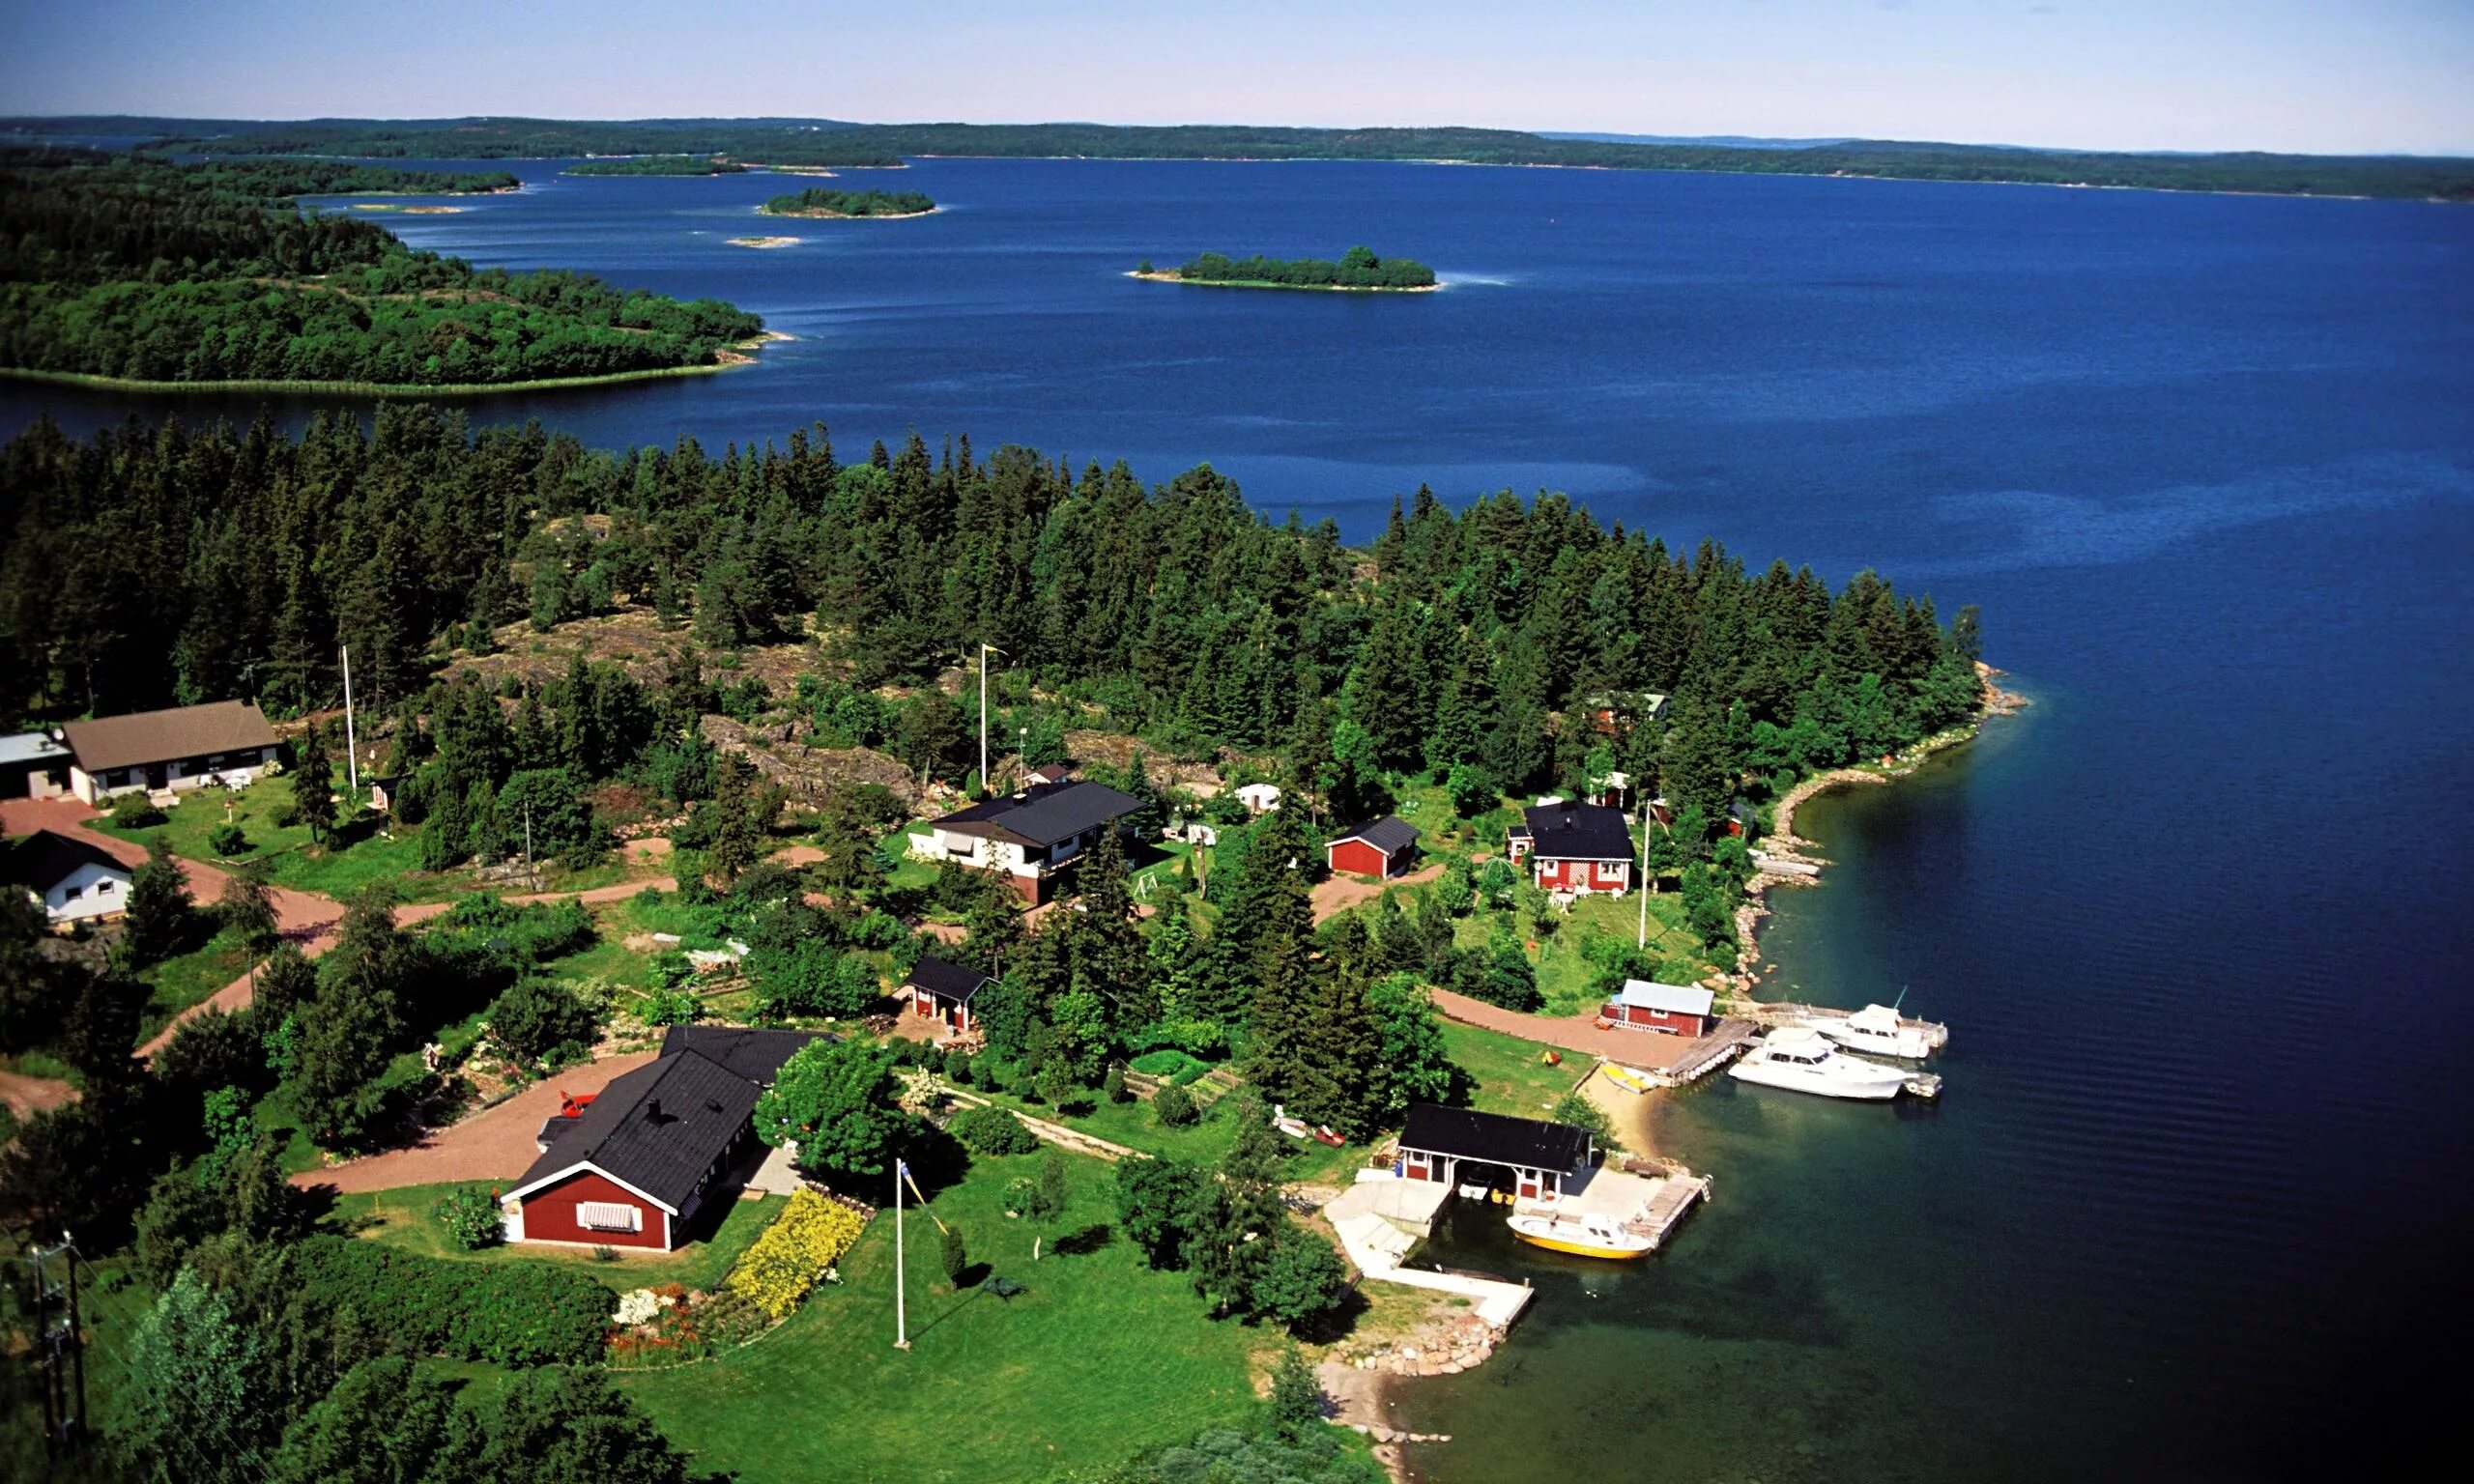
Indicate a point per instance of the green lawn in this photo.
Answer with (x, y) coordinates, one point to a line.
(1133, 1125)
(185, 979)
(402, 1218)
(1099, 1360)
(356, 855)
(1511, 1076)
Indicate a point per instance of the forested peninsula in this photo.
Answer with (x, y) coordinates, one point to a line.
(143, 272)
(817, 201)
(834, 142)
(658, 164)
(1358, 268)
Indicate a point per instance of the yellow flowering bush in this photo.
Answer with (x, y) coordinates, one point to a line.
(803, 1243)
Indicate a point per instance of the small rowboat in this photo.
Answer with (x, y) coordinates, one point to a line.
(1626, 1079)
(1587, 1237)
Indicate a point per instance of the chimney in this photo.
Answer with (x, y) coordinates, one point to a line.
(652, 1110)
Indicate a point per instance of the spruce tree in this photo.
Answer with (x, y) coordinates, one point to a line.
(313, 784)
(158, 907)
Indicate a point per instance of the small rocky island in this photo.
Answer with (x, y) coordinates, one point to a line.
(1358, 270)
(658, 164)
(817, 201)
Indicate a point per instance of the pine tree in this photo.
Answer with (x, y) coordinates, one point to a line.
(313, 784)
(158, 907)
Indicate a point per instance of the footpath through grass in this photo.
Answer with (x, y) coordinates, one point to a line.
(1100, 1358)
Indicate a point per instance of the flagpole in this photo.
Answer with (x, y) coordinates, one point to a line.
(901, 1316)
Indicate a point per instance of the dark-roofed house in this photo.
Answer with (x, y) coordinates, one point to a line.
(183, 747)
(636, 1165)
(944, 990)
(1379, 848)
(1437, 1141)
(1577, 848)
(74, 879)
(1033, 834)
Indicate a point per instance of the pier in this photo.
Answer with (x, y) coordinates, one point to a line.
(1382, 1217)
(1780, 1013)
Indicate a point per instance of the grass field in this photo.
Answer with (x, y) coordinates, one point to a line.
(185, 979)
(403, 1218)
(1133, 1126)
(1099, 1360)
(1508, 1074)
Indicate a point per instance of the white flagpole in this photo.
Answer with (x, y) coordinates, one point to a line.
(352, 749)
(901, 1317)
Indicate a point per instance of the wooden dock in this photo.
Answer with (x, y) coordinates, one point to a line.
(1675, 1195)
(1714, 1051)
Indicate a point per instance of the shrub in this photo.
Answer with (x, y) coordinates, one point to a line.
(511, 1313)
(227, 841)
(537, 1016)
(951, 1256)
(133, 812)
(669, 1007)
(1174, 1106)
(957, 1067)
(799, 1248)
(471, 1218)
(987, 1130)
(1112, 1086)
(605, 1254)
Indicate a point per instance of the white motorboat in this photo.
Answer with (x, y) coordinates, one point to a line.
(1802, 1060)
(1876, 1030)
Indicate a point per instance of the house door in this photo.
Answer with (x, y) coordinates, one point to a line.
(156, 777)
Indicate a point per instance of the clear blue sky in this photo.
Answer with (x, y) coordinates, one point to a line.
(2326, 75)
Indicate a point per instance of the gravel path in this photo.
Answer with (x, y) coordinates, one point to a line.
(1644, 1049)
(27, 1095)
(493, 1144)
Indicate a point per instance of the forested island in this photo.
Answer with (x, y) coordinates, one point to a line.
(1358, 268)
(835, 142)
(168, 275)
(818, 201)
(658, 164)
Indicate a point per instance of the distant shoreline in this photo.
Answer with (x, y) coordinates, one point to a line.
(1171, 275)
(764, 242)
(852, 215)
(726, 360)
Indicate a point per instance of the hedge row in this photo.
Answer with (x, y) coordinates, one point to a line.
(511, 1313)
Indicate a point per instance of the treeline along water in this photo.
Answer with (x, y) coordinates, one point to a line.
(2193, 1205)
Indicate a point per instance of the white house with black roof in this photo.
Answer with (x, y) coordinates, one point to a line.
(942, 988)
(1574, 848)
(637, 1164)
(1032, 835)
(74, 879)
(1543, 1159)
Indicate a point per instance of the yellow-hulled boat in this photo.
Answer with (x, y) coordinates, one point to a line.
(1626, 1079)
(1585, 1236)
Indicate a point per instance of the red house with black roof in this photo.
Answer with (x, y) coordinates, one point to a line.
(944, 990)
(641, 1164)
(1439, 1143)
(1577, 848)
(1379, 848)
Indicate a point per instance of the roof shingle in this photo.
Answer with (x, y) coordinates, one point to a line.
(161, 736)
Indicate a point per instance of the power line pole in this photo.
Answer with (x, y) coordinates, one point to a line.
(531, 877)
(352, 748)
(983, 723)
(59, 1339)
(901, 1312)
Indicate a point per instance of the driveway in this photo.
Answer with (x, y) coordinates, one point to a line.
(1579, 1033)
(493, 1144)
(26, 1095)
(1335, 894)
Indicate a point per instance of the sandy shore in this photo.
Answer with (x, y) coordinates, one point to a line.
(764, 242)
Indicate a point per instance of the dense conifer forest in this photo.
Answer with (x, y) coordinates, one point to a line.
(658, 164)
(816, 201)
(159, 564)
(154, 272)
(831, 142)
(1358, 268)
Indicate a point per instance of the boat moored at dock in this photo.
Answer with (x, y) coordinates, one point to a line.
(1800, 1059)
(1876, 1030)
(1588, 1236)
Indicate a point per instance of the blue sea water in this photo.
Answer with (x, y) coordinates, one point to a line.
(2195, 1205)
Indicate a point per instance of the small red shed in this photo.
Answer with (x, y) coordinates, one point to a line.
(1378, 849)
(1676, 1010)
